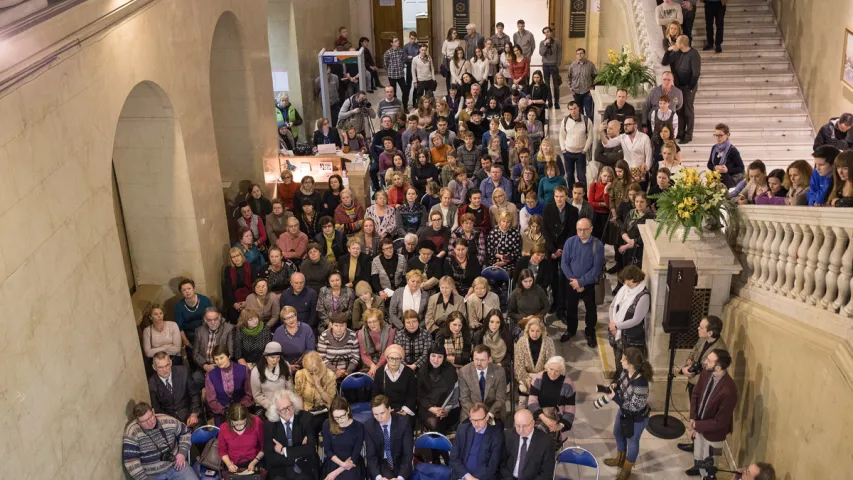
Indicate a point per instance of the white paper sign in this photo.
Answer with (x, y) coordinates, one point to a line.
(280, 82)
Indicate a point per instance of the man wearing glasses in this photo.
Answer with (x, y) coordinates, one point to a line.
(478, 447)
(529, 450)
(290, 450)
(636, 149)
(582, 261)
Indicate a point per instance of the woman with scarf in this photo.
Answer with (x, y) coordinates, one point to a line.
(248, 246)
(414, 340)
(276, 221)
(408, 297)
(725, 157)
(410, 215)
(532, 350)
(495, 149)
(442, 304)
(259, 204)
(500, 204)
(349, 215)
(479, 301)
(305, 194)
(374, 337)
(250, 338)
(264, 302)
(504, 244)
(388, 269)
(270, 375)
(632, 242)
(528, 300)
(463, 267)
(248, 220)
(495, 333)
(354, 142)
(227, 384)
(383, 216)
(309, 219)
(455, 337)
(397, 382)
(436, 382)
(628, 311)
(237, 281)
(286, 190)
(336, 298)
(599, 198)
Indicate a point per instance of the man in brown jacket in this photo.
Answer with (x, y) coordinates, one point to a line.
(712, 406)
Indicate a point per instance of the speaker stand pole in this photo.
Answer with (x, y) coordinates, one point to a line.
(665, 426)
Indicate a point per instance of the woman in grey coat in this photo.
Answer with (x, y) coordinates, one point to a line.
(336, 298)
(408, 297)
(443, 304)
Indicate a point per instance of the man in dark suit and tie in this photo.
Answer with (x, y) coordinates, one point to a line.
(388, 439)
(172, 392)
(290, 451)
(529, 451)
(559, 221)
(483, 381)
(476, 453)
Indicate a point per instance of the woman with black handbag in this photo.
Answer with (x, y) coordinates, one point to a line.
(631, 393)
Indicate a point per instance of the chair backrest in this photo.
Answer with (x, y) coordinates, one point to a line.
(203, 434)
(399, 243)
(495, 274)
(356, 380)
(433, 441)
(578, 456)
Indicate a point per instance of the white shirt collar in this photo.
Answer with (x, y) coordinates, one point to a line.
(169, 379)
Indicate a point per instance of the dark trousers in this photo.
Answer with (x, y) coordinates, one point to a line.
(550, 72)
(335, 110)
(584, 101)
(560, 292)
(374, 74)
(404, 88)
(426, 87)
(575, 161)
(715, 13)
(599, 221)
(686, 114)
(572, 299)
(689, 16)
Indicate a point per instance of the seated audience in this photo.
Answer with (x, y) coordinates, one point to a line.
(343, 440)
(333, 243)
(316, 268)
(213, 333)
(430, 265)
(353, 142)
(532, 236)
(303, 300)
(549, 182)
(237, 281)
(537, 460)
(479, 301)
(315, 384)
(436, 386)
(462, 267)
(251, 221)
(455, 338)
(476, 239)
(364, 299)
(528, 300)
(295, 337)
(172, 390)
(247, 246)
(226, 384)
(552, 400)
(410, 215)
(260, 205)
(447, 208)
(503, 244)
(355, 265)
(326, 134)
(241, 442)
(384, 460)
(339, 347)
(143, 456)
(497, 334)
(277, 274)
(306, 194)
(161, 336)
(484, 382)
(443, 304)
(374, 337)
(478, 446)
(414, 340)
(539, 265)
(309, 219)
(270, 376)
(286, 189)
(336, 298)
(276, 222)
(383, 216)
(799, 174)
(293, 243)
(264, 302)
(290, 445)
(388, 269)
(189, 313)
(532, 350)
(408, 297)
(501, 204)
(349, 215)
(250, 338)
(482, 220)
(332, 196)
(410, 246)
(435, 232)
(398, 383)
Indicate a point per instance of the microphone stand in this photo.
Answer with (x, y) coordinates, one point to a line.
(666, 426)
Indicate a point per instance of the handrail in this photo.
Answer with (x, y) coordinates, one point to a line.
(36, 18)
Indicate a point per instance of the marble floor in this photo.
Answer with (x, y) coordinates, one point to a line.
(659, 459)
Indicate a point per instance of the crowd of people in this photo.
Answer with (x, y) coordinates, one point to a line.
(320, 287)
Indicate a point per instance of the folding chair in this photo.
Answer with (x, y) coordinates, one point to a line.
(430, 471)
(576, 456)
(202, 435)
(356, 381)
(497, 277)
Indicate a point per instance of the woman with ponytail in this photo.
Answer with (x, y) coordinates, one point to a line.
(631, 393)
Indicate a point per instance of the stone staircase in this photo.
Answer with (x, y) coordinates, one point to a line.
(751, 87)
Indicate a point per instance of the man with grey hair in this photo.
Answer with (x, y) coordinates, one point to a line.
(666, 87)
(529, 452)
(290, 450)
(409, 250)
(156, 446)
(473, 41)
(214, 332)
(303, 299)
(582, 263)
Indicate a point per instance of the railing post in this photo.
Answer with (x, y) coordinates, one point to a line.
(846, 273)
(822, 264)
(811, 263)
(783, 259)
(834, 268)
(802, 257)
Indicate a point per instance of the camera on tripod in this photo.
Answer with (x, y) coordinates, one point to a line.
(363, 103)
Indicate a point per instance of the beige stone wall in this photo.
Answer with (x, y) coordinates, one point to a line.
(796, 393)
(613, 29)
(67, 317)
(814, 37)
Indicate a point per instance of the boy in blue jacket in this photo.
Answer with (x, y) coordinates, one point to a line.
(821, 181)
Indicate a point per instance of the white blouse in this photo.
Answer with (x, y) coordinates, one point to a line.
(480, 70)
(448, 47)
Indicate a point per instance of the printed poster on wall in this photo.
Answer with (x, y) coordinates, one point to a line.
(577, 18)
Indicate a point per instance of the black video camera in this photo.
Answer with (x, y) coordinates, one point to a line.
(695, 368)
(167, 456)
(363, 103)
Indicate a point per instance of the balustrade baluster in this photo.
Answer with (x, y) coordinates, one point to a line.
(759, 253)
(742, 242)
(822, 264)
(802, 257)
(834, 267)
(791, 263)
(811, 263)
(767, 254)
(783, 257)
(844, 285)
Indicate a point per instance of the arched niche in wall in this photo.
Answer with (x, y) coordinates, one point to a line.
(153, 184)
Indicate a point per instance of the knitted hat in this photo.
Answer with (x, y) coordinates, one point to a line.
(428, 244)
(272, 348)
(438, 348)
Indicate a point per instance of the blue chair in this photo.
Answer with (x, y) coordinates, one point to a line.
(355, 381)
(576, 456)
(202, 435)
(497, 278)
(430, 471)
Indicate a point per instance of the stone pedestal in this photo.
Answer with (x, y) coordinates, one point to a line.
(715, 265)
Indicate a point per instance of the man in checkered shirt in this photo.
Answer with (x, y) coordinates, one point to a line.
(395, 65)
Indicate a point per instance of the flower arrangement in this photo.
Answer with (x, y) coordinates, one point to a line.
(696, 200)
(625, 70)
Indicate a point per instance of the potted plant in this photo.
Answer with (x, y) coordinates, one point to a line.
(696, 200)
(625, 70)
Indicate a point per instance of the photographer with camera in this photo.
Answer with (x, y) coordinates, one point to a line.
(156, 446)
(712, 406)
(354, 111)
(631, 393)
(709, 331)
(757, 471)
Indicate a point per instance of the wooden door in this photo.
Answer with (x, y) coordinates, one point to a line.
(387, 24)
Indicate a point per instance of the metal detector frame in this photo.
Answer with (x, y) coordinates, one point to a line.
(324, 83)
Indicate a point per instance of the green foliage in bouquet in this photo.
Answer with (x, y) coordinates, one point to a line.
(625, 70)
(697, 200)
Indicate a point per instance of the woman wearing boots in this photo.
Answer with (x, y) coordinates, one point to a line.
(631, 393)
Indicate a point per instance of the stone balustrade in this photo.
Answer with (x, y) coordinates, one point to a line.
(801, 256)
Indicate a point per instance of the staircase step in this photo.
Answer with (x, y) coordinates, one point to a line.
(740, 29)
(770, 163)
(754, 41)
(749, 78)
(746, 8)
(761, 151)
(758, 131)
(744, 53)
(742, 105)
(782, 140)
(736, 66)
(736, 88)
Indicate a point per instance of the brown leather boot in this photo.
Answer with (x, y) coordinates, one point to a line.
(625, 474)
(615, 462)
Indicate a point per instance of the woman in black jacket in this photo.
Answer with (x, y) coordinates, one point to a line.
(260, 205)
(632, 246)
(455, 337)
(237, 282)
(423, 171)
(436, 382)
(725, 157)
(462, 267)
(326, 134)
(539, 94)
(397, 382)
(354, 266)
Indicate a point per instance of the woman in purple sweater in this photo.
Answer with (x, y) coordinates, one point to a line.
(776, 191)
(226, 385)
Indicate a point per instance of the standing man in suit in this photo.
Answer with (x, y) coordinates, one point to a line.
(529, 451)
(388, 439)
(712, 407)
(290, 451)
(558, 224)
(483, 382)
(172, 392)
(478, 447)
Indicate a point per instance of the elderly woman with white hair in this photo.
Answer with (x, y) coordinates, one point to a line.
(552, 399)
(409, 250)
